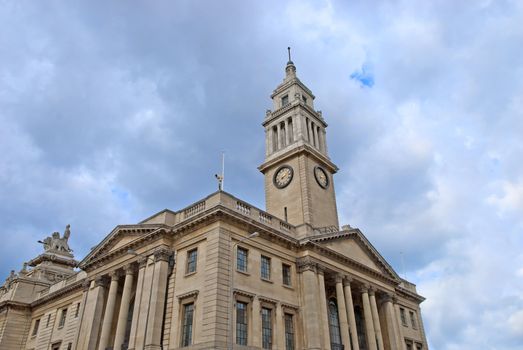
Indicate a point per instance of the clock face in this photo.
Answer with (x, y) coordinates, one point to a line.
(321, 177)
(283, 176)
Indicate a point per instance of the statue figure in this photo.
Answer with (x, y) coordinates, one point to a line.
(57, 243)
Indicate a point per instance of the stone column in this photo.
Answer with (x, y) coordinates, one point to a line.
(153, 334)
(109, 312)
(142, 262)
(342, 312)
(392, 326)
(92, 316)
(324, 316)
(316, 137)
(256, 324)
(310, 307)
(369, 325)
(309, 132)
(324, 142)
(287, 132)
(280, 328)
(268, 141)
(376, 318)
(124, 308)
(350, 313)
(280, 143)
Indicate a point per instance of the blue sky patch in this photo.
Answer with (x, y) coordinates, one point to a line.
(364, 76)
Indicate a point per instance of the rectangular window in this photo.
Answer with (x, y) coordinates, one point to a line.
(409, 345)
(286, 274)
(419, 346)
(56, 346)
(304, 98)
(62, 318)
(285, 100)
(241, 323)
(289, 332)
(69, 346)
(266, 328)
(48, 320)
(188, 311)
(241, 259)
(77, 311)
(413, 319)
(192, 257)
(265, 268)
(403, 317)
(35, 327)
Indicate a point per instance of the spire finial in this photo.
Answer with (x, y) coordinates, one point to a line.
(289, 50)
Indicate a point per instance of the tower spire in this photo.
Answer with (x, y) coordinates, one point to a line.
(290, 69)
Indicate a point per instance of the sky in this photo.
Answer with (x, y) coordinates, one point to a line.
(111, 111)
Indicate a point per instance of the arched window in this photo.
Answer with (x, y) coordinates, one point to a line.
(334, 325)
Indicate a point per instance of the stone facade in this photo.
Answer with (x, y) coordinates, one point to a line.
(222, 273)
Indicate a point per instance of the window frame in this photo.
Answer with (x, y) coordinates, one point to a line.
(36, 325)
(413, 322)
(245, 262)
(286, 279)
(242, 335)
(285, 100)
(63, 317)
(185, 326)
(77, 311)
(403, 317)
(191, 265)
(265, 268)
(266, 319)
(290, 337)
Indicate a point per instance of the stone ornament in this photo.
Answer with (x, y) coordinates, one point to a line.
(55, 243)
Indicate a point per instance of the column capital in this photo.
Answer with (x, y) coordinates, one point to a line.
(388, 297)
(162, 254)
(339, 278)
(142, 262)
(306, 264)
(364, 288)
(372, 290)
(114, 275)
(129, 269)
(100, 281)
(347, 280)
(320, 269)
(86, 284)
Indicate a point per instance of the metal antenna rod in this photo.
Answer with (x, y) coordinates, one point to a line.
(223, 169)
(289, 49)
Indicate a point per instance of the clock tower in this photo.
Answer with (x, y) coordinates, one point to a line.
(299, 184)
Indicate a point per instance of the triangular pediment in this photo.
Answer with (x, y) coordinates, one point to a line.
(352, 244)
(350, 248)
(120, 237)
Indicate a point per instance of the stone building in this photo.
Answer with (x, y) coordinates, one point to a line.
(222, 273)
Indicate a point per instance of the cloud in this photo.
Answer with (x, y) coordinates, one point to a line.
(110, 113)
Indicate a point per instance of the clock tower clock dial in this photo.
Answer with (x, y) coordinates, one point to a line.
(298, 171)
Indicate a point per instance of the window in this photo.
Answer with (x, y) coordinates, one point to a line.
(266, 328)
(304, 98)
(188, 311)
(334, 325)
(285, 100)
(77, 311)
(286, 274)
(241, 259)
(419, 346)
(35, 327)
(409, 344)
(241, 323)
(48, 320)
(56, 346)
(403, 318)
(69, 346)
(265, 268)
(62, 318)
(413, 319)
(289, 332)
(192, 257)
